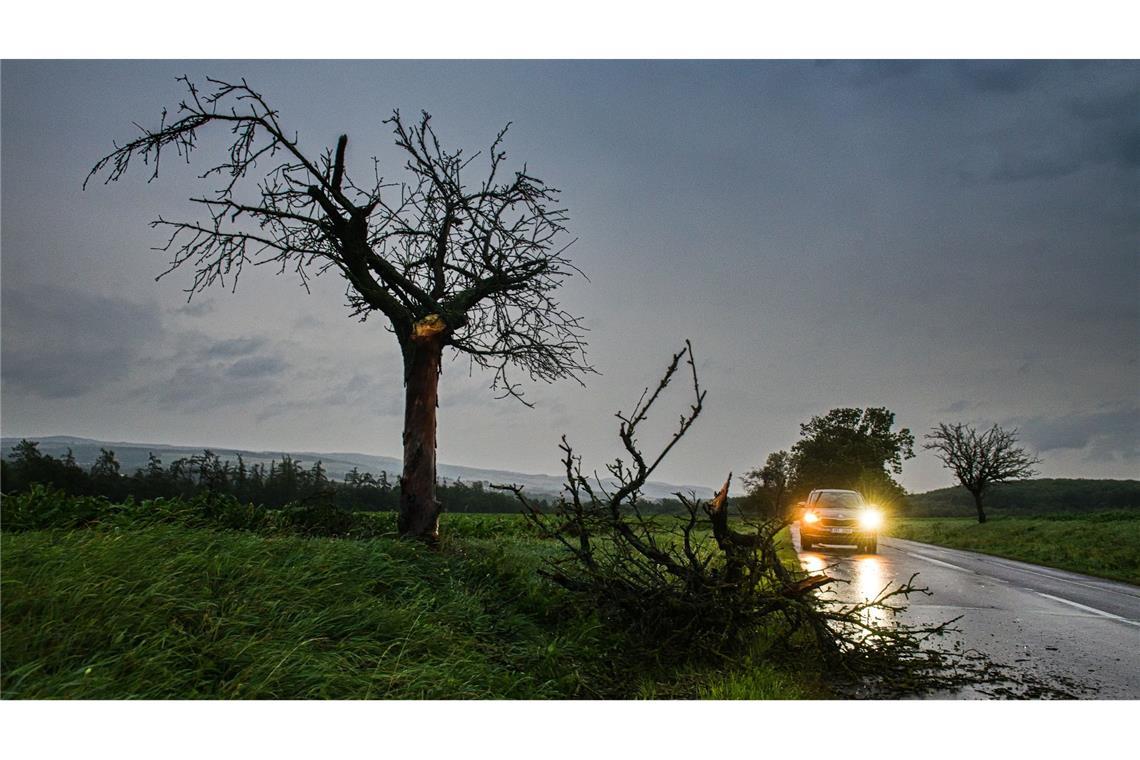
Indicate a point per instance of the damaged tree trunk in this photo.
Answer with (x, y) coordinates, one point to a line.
(419, 509)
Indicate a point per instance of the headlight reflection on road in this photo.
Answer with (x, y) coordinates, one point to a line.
(813, 563)
(869, 582)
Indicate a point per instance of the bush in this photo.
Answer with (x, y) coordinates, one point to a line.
(47, 508)
(42, 507)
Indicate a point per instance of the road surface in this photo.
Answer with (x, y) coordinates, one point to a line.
(1050, 623)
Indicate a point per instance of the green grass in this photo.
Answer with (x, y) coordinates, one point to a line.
(181, 611)
(1105, 544)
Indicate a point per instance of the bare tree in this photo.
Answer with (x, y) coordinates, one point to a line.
(980, 460)
(474, 267)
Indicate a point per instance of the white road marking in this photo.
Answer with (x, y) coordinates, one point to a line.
(939, 562)
(1094, 587)
(1086, 608)
(1017, 566)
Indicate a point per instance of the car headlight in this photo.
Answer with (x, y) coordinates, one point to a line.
(870, 519)
(811, 517)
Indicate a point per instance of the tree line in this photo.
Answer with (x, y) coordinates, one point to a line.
(272, 485)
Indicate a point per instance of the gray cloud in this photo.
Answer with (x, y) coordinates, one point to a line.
(367, 394)
(196, 308)
(256, 366)
(233, 347)
(210, 373)
(867, 73)
(998, 76)
(306, 322)
(203, 387)
(1124, 147)
(1015, 167)
(1100, 129)
(1112, 433)
(64, 343)
(1120, 149)
(1119, 107)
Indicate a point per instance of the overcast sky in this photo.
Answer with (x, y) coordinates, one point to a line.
(954, 241)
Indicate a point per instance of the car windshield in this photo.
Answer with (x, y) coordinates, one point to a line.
(833, 500)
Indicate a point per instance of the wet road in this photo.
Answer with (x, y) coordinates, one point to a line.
(1052, 623)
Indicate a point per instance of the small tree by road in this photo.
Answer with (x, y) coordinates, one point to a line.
(456, 254)
(769, 484)
(979, 460)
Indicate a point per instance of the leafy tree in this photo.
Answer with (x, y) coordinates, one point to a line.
(447, 262)
(979, 460)
(316, 476)
(768, 485)
(152, 480)
(852, 448)
(106, 477)
(29, 465)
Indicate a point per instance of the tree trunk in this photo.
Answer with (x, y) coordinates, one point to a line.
(419, 510)
(978, 503)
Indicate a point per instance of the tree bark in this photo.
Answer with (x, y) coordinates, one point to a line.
(419, 510)
(978, 503)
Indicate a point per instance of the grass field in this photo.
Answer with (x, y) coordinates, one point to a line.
(176, 611)
(1103, 544)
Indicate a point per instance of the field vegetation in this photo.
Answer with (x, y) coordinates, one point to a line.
(1105, 544)
(209, 598)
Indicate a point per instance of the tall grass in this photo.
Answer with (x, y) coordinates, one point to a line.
(174, 610)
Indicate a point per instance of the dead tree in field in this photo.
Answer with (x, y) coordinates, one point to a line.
(980, 460)
(449, 263)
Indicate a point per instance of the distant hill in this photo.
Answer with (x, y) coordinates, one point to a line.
(1030, 497)
(132, 456)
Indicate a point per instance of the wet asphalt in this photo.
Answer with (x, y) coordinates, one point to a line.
(1057, 626)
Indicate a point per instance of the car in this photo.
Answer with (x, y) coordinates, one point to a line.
(837, 516)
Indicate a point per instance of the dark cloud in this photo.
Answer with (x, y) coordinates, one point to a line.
(231, 348)
(306, 322)
(1015, 167)
(1114, 147)
(999, 76)
(1128, 148)
(367, 394)
(256, 366)
(198, 308)
(202, 387)
(63, 343)
(1112, 433)
(867, 73)
(212, 374)
(1093, 129)
(956, 407)
(1119, 107)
